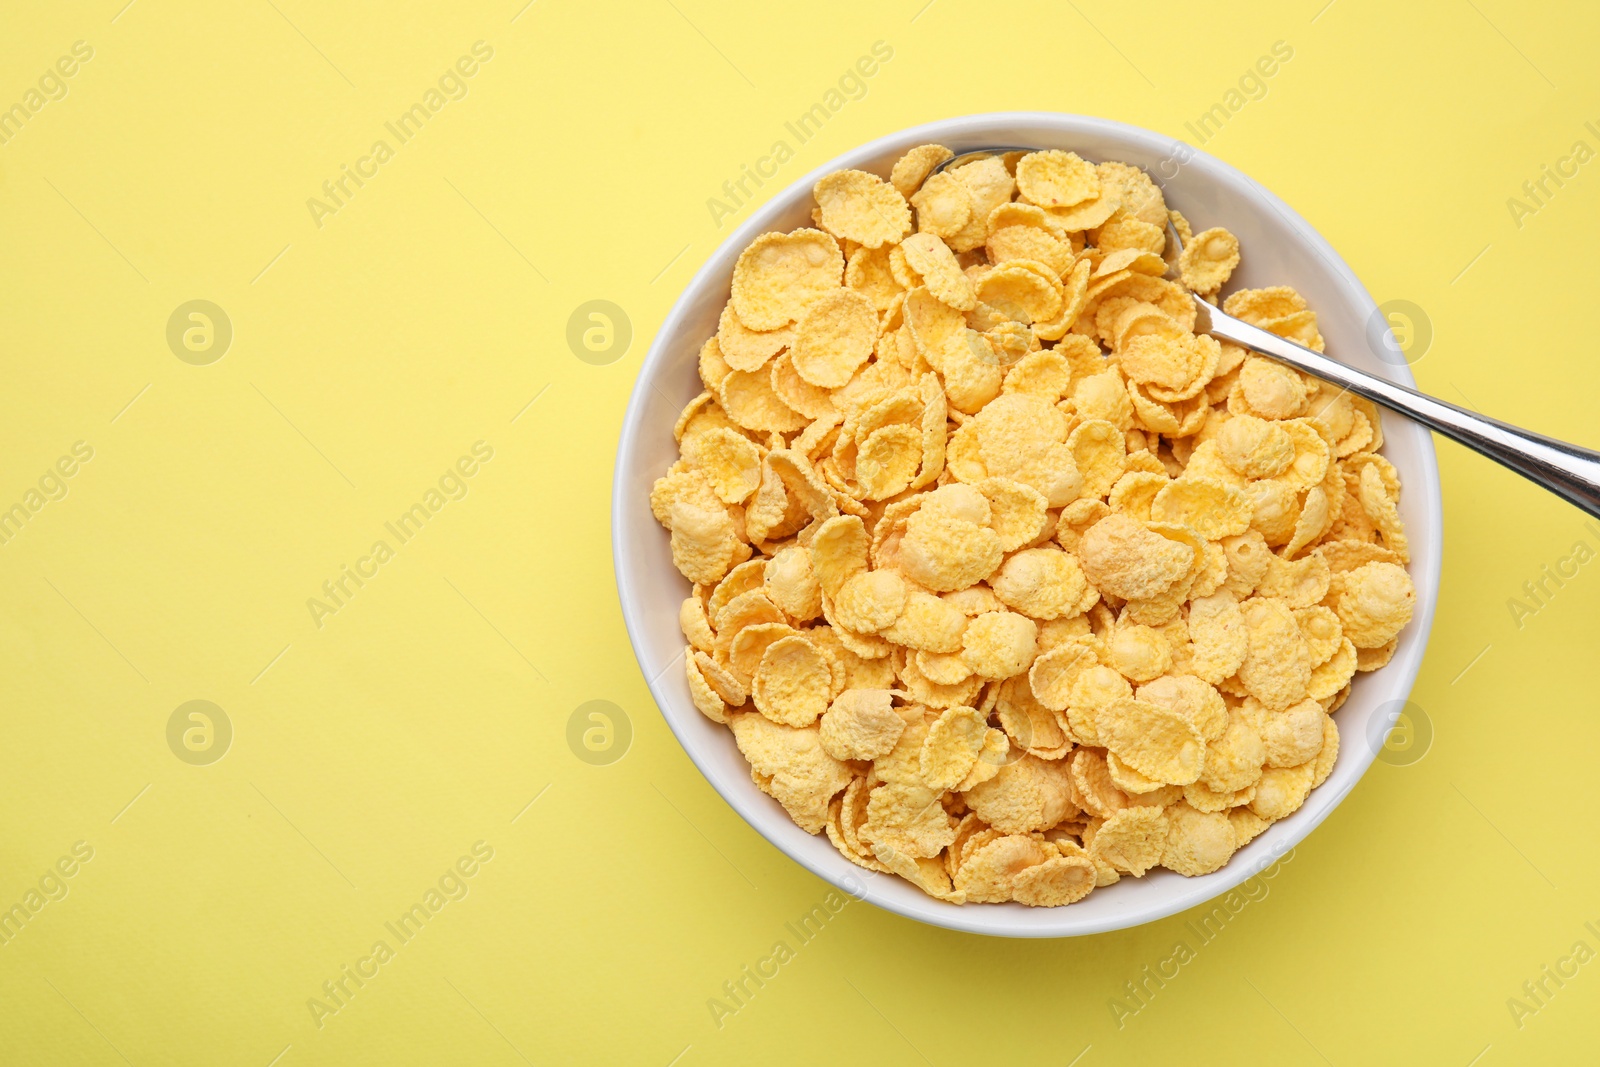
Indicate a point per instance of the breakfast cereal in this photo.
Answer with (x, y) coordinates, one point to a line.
(1003, 577)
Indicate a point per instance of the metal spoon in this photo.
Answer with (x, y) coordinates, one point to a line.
(1570, 472)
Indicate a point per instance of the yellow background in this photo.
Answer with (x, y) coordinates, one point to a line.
(368, 354)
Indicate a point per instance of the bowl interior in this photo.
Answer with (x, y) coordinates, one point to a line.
(1279, 248)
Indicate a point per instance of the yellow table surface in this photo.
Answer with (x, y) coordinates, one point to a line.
(380, 337)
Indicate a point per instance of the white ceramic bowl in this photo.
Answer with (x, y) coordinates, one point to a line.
(1280, 248)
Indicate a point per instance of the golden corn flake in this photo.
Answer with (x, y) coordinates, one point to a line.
(870, 601)
(932, 259)
(888, 460)
(1045, 374)
(1329, 755)
(1021, 293)
(1000, 644)
(1090, 213)
(791, 584)
(863, 208)
(1332, 675)
(1011, 342)
(1027, 795)
(913, 168)
(1042, 583)
(993, 862)
(945, 553)
(1208, 260)
(1092, 787)
(1055, 672)
(952, 746)
(1136, 491)
(933, 694)
(802, 777)
(1209, 508)
(723, 681)
(838, 551)
(1294, 735)
(811, 401)
(713, 368)
(1375, 601)
(1202, 797)
(861, 724)
(926, 873)
(696, 626)
(1270, 389)
(1155, 741)
(1197, 842)
(1233, 761)
(1247, 825)
(1099, 451)
(730, 460)
(1194, 699)
(1281, 791)
(1095, 689)
(745, 349)
(942, 668)
(1017, 512)
(1027, 239)
(1140, 789)
(1139, 653)
(740, 600)
(750, 645)
(834, 338)
(908, 818)
(1133, 840)
(1322, 632)
(1378, 490)
(780, 273)
(749, 400)
(1028, 723)
(1300, 583)
(989, 184)
(1003, 577)
(1056, 179)
(704, 542)
(944, 207)
(868, 272)
(1055, 882)
(928, 624)
(1217, 632)
(705, 697)
(1123, 557)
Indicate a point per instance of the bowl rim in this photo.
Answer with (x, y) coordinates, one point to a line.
(1279, 839)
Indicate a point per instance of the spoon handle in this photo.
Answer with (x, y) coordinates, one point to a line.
(1570, 472)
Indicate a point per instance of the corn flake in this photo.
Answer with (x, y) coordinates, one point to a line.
(952, 746)
(944, 206)
(863, 208)
(1277, 664)
(1197, 842)
(1133, 840)
(1155, 741)
(932, 259)
(861, 724)
(781, 273)
(913, 168)
(1208, 260)
(1375, 602)
(1027, 795)
(1000, 644)
(801, 776)
(1056, 179)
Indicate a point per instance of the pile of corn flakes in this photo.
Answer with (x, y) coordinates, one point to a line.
(1004, 577)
